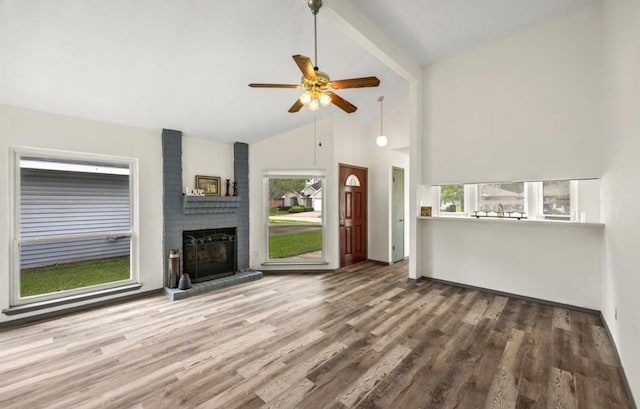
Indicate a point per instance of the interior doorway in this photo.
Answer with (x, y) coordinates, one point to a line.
(353, 214)
(397, 215)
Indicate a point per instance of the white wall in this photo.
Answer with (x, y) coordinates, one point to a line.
(353, 143)
(206, 157)
(19, 127)
(589, 200)
(381, 161)
(621, 182)
(525, 108)
(549, 261)
(379, 205)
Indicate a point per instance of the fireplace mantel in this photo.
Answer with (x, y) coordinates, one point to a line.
(210, 204)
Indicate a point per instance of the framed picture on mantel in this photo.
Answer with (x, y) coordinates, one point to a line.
(210, 184)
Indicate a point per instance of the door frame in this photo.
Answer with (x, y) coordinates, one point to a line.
(393, 215)
(365, 237)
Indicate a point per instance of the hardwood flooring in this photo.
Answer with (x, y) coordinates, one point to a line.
(362, 337)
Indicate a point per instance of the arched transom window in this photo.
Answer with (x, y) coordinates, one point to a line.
(352, 180)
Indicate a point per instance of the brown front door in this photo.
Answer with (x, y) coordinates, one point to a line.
(353, 215)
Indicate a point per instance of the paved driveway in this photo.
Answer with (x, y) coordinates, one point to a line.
(310, 217)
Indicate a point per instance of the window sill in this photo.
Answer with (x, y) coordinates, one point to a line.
(295, 263)
(36, 306)
(468, 219)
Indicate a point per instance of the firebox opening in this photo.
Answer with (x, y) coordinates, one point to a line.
(209, 254)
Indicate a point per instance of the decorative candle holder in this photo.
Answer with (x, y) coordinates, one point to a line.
(425, 211)
(228, 183)
(174, 268)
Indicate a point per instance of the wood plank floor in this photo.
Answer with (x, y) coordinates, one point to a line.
(362, 337)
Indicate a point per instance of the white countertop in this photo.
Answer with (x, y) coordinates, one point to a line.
(471, 219)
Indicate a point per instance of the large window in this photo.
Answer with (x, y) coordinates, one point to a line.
(74, 223)
(295, 218)
(552, 200)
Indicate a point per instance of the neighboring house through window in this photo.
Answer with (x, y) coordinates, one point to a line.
(73, 225)
(295, 231)
(502, 197)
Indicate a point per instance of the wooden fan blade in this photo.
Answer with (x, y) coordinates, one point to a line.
(296, 106)
(253, 85)
(342, 103)
(304, 63)
(356, 83)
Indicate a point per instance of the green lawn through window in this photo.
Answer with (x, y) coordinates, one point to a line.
(295, 244)
(59, 277)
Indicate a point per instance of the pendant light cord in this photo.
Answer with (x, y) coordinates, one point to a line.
(381, 115)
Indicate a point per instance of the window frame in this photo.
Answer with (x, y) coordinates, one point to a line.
(465, 201)
(573, 201)
(533, 201)
(15, 239)
(294, 174)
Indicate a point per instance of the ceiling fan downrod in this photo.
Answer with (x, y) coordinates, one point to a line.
(315, 5)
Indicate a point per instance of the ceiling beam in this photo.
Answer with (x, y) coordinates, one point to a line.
(349, 19)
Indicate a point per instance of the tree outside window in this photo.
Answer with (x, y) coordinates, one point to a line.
(295, 218)
(452, 199)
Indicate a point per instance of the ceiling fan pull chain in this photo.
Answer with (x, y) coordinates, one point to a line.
(381, 98)
(315, 139)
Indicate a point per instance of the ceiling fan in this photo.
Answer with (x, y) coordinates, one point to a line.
(317, 84)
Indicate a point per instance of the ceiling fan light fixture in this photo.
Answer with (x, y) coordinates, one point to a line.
(306, 98)
(325, 100)
(314, 105)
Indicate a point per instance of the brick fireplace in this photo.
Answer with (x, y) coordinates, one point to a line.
(187, 213)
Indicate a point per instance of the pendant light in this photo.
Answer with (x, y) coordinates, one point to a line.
(381, 140)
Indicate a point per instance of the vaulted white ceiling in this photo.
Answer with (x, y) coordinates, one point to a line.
(185, 64)
(430, 30)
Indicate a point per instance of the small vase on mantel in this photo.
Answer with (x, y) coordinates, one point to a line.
(235, 188)
(228, 182)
